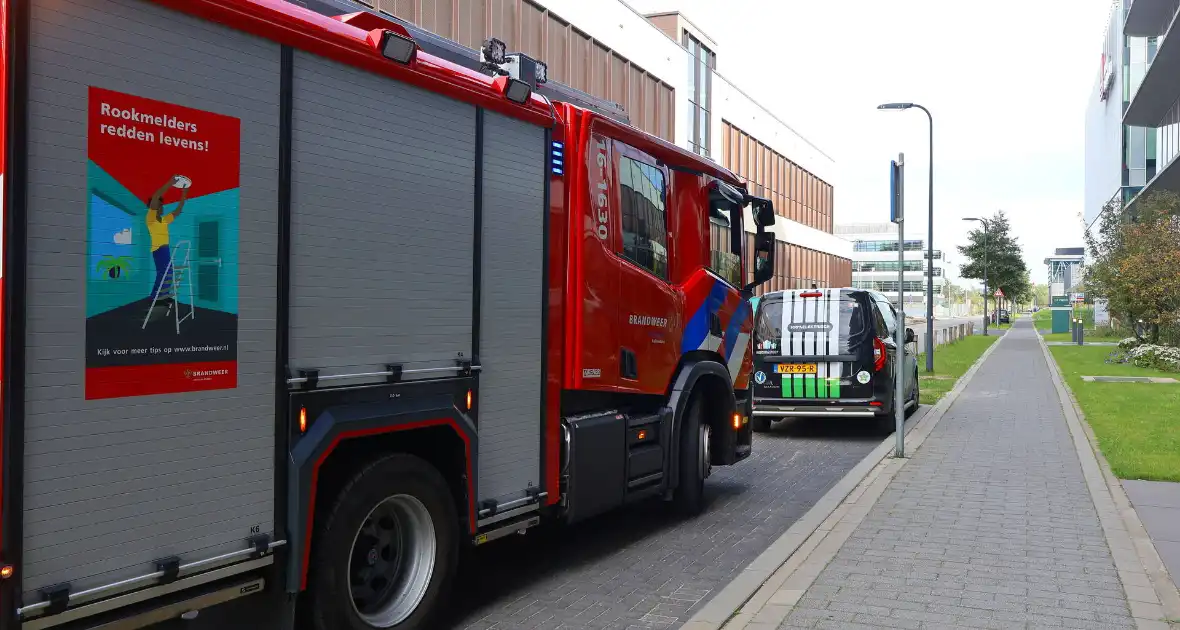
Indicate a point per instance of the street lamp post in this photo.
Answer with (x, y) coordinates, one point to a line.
(985, 287)
(929, 238)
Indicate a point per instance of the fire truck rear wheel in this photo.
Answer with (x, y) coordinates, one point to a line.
(695, 453)
(386, 554)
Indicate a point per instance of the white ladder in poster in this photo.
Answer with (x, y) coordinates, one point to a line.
(176, 278)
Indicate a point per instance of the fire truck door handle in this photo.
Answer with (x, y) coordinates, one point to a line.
(628, 366)
(714, 324)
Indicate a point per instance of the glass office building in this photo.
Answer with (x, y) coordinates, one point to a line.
(1152, 99)
(1133, 118)
(875, 265)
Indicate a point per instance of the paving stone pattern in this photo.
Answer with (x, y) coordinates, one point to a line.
(990, 525)
(644, 568)
(1158, 505)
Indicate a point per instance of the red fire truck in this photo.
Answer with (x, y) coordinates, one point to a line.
(294, 309)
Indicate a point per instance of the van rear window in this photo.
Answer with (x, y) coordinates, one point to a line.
(853, 329)
(768, 327)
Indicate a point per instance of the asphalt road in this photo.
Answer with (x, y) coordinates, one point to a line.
(643, 567)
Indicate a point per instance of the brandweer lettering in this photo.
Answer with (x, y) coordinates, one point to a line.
(648, 320)
(202, 373)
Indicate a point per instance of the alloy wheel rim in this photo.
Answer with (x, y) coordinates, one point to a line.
(392, 561)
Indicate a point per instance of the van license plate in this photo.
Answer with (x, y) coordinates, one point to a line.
(796, 368)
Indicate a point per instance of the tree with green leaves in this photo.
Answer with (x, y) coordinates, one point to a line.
(1006, 269)
(1135, 263)
(1040, 294)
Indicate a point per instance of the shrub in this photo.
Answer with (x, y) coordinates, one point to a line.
(1167, 359)
(1162, 358)
(1129, 343)
(1107, 331)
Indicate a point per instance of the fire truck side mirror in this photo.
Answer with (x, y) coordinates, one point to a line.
(763, 258)
(763, 211)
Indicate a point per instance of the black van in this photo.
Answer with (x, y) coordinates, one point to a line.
(829, 353)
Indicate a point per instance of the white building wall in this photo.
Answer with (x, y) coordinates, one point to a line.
(1104, 136)
(805, 236)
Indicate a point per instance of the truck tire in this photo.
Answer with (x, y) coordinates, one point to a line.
(760, 424)
(386, 553)
(695, 439)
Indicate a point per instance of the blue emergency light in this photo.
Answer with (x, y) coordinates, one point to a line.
(557, 158)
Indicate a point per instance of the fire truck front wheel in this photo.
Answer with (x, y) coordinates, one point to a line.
(696, 439)
(386, 553)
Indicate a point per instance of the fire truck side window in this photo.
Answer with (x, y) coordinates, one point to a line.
(723, 259)
(645, 233)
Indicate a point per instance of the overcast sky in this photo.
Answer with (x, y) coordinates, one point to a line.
(1008, 84)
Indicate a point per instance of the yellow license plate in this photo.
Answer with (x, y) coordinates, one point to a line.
(796, 368)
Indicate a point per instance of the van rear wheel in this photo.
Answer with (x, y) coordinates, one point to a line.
(916, 398)
(384, 557)
(885, 424)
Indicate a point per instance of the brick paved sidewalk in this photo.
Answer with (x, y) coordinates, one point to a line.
(989, 525)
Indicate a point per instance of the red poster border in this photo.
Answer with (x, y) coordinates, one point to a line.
(163, 378)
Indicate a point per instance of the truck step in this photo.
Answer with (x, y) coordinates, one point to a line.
(516, 526)
(115, 614)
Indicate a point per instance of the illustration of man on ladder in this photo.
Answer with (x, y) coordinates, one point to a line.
(163, 289)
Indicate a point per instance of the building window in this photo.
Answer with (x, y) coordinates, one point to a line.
(886, 265)
(889, 286)
(641, 200)
(701, 63)
(885, 246)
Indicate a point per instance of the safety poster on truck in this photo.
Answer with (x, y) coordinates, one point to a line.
(162, 247)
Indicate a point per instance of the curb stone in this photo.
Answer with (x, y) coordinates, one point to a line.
(1151, 593)
(772, 583)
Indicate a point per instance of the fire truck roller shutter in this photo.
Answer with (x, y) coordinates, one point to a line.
(382, 220)
(116, 476)
(512, 252)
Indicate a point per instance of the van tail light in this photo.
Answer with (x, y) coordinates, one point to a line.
(879, 355)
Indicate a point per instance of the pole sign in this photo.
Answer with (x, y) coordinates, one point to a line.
(999, 293)
(895, 190)
(1060, 300)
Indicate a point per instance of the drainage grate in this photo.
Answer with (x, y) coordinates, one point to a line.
(1128, 379)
